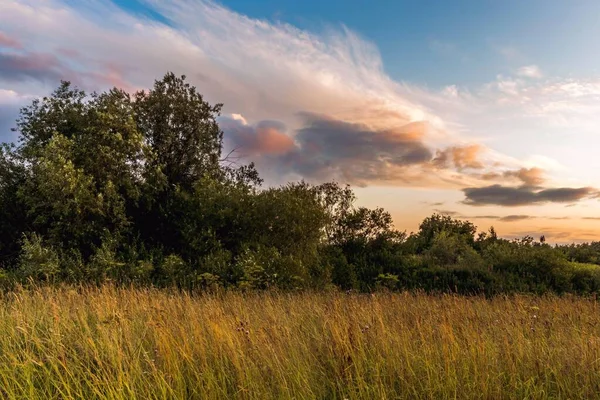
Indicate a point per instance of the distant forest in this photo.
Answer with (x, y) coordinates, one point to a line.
(135, 189)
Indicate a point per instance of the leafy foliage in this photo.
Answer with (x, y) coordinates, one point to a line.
(135, 189)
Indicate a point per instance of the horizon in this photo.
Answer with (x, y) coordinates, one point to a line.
(472, 111)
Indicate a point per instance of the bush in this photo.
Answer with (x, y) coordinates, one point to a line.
(387, 281)
(342, 272)
(585, 278)
(172, 269)
(104, 264)
(266, 267)
(463, 280)
(37, 261)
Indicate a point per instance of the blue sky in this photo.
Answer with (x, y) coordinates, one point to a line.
(486, 110)
(439, 43)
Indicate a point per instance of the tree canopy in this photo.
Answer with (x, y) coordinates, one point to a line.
(134, 188)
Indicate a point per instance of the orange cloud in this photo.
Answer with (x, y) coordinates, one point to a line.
(461, 157)
(265, 138)
(528, 176)
(272, 141)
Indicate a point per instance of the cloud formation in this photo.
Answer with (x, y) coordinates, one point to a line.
(41, 67)
(449, 213)
(354, 151)
(556, 234)
(460, 157)
(10, 103)
(9, 42)
(311, 106)
(326, 148)
(513, 218)
(530, 71)
(524, 195)
(527, 176)
(263, 139)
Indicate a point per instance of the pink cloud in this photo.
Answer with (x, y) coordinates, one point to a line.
(7, 41)
(264, 138)
(112, 75)
(70, 53)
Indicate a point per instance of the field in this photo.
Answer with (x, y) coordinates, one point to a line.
(149, 344)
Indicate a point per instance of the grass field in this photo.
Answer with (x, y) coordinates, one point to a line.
(149, 344)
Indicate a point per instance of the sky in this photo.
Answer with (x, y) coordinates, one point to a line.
(484, 110)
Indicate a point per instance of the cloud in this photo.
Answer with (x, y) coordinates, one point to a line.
(461, 157)
(554, 116)
(355, 149)
(317, 107)
(433, 203)
(326, 148)
(448, 213)
(528, 176)
(261, 139)
(37, 66)
(524, 195)
(7, 121)
(10, 103)
(513, 218)
(314, 106)
(530, 71)
(556, 234)
(9, 42)
(257, 69)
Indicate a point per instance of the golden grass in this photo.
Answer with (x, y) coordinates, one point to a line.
(111, 343)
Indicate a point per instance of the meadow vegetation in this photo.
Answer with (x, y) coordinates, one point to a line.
(119, 343)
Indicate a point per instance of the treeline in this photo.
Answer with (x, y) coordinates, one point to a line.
(122, 188)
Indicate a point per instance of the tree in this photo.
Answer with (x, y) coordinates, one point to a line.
(90, 168)
(65, 202)
(181, 129)
(184, 152)
(434, 225)
(84, 157)
(13, 214)
(337, 202)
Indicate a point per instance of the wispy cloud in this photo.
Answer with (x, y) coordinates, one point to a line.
(556, 234)
(513, 218)
(260, 70)
(16, 67)
(9, 42)
(307, 106)
(449, 213)
(530, 71)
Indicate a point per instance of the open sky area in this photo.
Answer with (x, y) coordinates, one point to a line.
(485, 110)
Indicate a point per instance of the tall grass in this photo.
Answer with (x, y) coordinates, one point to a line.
(111, 343)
